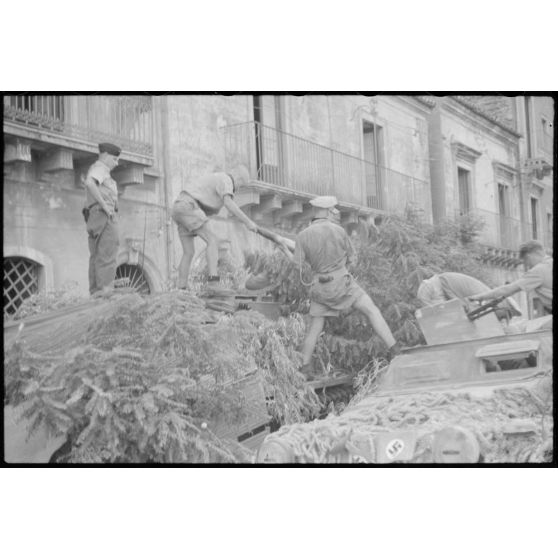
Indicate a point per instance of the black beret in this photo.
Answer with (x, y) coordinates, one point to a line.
(110, 148)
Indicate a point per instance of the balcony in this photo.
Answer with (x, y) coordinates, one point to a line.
(538, 167)
(500, 235)
(80, 122)
(299, 167)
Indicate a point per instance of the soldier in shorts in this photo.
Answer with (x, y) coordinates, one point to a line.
(194, 206)
(327, 248)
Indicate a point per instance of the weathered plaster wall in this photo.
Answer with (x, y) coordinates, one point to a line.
(194, 138)
(460, 126)
(48, 219)
(336, 121)
(542, 188)
(196, 145)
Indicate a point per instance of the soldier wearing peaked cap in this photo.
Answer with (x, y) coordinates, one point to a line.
(324, 202)
(327, 248)
(99, 212)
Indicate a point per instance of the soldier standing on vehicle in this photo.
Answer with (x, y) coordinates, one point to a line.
(328, 249)
(101, 207)
(537, 279)
(199, 200)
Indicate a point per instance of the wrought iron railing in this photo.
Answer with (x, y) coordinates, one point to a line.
(123, 119)
(285, 160)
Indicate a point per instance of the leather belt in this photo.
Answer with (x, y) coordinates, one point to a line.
(332, 275)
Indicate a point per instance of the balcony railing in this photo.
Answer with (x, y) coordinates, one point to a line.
(123, 119)
(294, 163)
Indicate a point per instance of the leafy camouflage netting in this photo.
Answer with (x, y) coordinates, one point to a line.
(148, 377)
(489, 418)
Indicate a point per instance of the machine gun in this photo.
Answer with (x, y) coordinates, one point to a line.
(485, 309)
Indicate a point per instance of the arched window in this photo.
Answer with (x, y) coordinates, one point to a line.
(132, 276)
(21, 280)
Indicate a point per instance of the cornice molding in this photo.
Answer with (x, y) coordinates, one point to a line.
(481, 112)
(504, 171)
(464, 152)
(453, 106)
(418, 103)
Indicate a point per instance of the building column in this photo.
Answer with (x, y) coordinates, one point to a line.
(437, 178)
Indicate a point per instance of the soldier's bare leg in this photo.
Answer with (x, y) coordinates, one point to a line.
(365, 305)
(314, 329)
(212, 250)
(186, 260)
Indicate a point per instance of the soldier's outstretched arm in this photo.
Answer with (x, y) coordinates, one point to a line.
(230, 204)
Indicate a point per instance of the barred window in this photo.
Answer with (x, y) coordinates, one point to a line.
(21, 280)
(132, 277)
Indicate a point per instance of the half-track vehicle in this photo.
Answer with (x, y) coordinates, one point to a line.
(477, 392)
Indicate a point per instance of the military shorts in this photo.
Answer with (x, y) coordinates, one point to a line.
(188, 216)
(330, 298)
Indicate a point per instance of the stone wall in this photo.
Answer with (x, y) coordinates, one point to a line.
(195, 145)
(466, 140)
(47, 219)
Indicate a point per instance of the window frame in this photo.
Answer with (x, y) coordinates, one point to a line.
(537, 213)
(379, 133)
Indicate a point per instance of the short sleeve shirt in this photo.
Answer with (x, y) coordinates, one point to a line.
(460, 285)
(539, 280)
(108, 188)
(324, 245)
(210, 191)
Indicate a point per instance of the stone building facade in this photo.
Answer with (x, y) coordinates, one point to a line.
(370, 152)
(377, 154)
(490, 159)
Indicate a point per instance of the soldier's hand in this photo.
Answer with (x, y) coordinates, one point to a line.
(252, 227)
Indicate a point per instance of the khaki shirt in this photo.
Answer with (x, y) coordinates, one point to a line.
(539, 280)
(449, 285)
(210, 190)
(108, 188)
(325, 246)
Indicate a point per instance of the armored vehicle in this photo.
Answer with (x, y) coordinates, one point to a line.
(477, 392)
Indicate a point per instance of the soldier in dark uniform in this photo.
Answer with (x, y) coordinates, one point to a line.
(101, 207)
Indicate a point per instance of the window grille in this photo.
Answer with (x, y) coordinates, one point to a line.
(132, 277)
(21, 280)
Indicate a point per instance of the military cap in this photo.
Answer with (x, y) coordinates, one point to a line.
(324, 202)
(110, 148)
